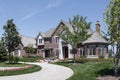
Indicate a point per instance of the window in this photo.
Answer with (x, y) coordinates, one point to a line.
(50, 40)
(82, 51)
(40, 40)
(101, 49)
(92, 49)
(57, 39)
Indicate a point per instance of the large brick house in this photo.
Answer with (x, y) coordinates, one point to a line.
(50, 45)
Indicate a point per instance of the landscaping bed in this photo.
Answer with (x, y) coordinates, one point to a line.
(7, 69)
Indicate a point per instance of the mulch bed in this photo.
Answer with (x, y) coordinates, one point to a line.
(108, 78)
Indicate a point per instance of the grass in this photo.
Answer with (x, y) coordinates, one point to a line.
(88, 70)
(3, 64)
(34, 68)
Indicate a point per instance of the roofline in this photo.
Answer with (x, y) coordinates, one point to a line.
(57, 27)
(38, 35)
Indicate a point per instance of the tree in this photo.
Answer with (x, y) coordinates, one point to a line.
(77, 34)
(112, 19)
(30, 49)
(3, 55)
(11, 37)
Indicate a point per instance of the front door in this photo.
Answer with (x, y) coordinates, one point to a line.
(65, 52)
(47, 53)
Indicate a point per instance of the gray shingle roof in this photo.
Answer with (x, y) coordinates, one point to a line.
(48, 33)
(89, 31)
(96, 37)
(68, 25)
(28, 40)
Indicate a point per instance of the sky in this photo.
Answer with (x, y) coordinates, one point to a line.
(34, 16)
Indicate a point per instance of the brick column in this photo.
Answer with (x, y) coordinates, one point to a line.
(97, 50)
(105, 51)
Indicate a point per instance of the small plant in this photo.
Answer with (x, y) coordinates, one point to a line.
(101, 56)
(15, 59)
(82, 56)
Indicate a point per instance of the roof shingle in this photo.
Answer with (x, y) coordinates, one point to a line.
(96, 37)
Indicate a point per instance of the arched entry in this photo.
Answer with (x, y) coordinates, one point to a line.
(65, 52)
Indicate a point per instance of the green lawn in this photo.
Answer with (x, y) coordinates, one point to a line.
(88, 70)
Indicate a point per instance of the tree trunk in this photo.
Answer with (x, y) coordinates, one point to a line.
(74, 52)
(116, 62)
(74, 58)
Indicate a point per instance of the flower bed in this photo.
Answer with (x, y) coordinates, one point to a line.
(8, 71)
(15, 68)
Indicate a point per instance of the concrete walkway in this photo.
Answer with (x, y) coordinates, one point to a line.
(48, 72)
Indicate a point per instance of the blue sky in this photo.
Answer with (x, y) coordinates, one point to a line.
(34, 16)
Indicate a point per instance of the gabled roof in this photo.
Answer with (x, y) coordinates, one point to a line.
(49, 33)
(96, 37)
(46, 34)
(68, 25)
(65, 24)
(28, 40)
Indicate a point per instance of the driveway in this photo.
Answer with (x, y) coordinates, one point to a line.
(48, 72)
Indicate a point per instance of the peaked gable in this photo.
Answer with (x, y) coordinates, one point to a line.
(60, 25)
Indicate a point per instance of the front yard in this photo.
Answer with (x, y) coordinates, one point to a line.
(88, 70)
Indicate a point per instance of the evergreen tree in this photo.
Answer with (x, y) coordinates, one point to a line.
(11, 37)
(77, 34)
(112, 19)
(3, 54)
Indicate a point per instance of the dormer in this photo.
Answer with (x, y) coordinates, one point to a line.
(40, 39)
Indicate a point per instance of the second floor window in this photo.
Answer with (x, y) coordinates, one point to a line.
(40, 40)
(57, 39)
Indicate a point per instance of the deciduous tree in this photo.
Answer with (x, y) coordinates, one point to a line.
(112, 19)
(77, 33)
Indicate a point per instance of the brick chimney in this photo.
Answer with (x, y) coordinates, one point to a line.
(97, 26)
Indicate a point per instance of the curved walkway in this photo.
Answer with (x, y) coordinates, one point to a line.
(48, 72)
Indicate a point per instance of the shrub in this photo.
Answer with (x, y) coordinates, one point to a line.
(13, 59)
(83, 60)
(30, 58)
(101, 56)
(82, 56)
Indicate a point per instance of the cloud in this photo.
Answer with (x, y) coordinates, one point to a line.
(53, 4)
(50, 5)
(29, 15)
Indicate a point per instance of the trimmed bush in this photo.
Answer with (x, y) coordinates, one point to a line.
(30, 58)
(83, 60)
